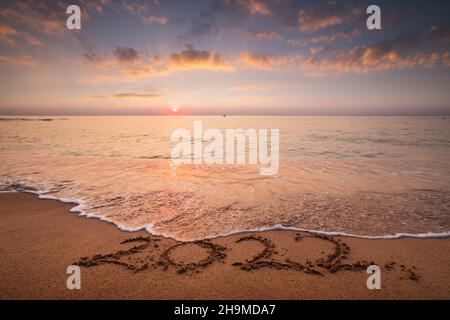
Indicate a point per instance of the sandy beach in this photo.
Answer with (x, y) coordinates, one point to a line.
(231, 150)
(40, 238)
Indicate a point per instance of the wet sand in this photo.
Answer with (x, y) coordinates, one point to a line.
(40, 238)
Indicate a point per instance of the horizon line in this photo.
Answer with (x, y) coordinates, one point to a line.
(231, 114)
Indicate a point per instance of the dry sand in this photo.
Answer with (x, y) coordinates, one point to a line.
(40, 238)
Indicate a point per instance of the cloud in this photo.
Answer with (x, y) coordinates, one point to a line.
(199, 29)
(399, 53)
(41, 16)
(93, 58)
(135, 95)
(446, 59)
(439, 34)
(198, 59)
(126, 55)
(254, 7)
(136, 8)
(325, 15)
(327, 38)
(318, 50)
(48, 17)
(143, 11)
(226, 14)
(24, 61)
(265, 61)
(263, 35)
(154, 19)
(405, 51)
(202, 25)
(131, 65)
(343, 35)
(123, 66)
(30, 39)
(297, 42)
(102, 62)
(7, 33)
(127, 95)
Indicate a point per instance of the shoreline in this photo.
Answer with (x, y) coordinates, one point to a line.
(40, 238)
(78, 204)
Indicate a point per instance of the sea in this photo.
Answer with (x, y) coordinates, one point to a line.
(370, 177)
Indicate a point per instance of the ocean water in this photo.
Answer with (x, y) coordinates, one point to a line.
(364, 176)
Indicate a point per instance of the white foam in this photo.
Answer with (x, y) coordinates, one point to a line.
(344, 234)
(80, 208)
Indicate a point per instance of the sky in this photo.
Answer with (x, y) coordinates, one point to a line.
(263, 57)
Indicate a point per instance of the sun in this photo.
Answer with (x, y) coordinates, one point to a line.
(175, 107)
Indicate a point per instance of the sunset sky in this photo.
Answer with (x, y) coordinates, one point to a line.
(225, 56)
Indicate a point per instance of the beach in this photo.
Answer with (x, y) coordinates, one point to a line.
(224, 150)
(41, 238)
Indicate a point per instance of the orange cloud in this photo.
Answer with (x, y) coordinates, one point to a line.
(446, 59)
(395, 54)
(40, 16)
(255, 7)
(347, 36)
(33, 40)
(115, 70)
(265, 61)
(130, 64)
(325, 15)
(195, 59)
(6, 34)
(127, 95)
(25, 61)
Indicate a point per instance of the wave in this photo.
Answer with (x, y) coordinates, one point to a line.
(343, 234)
(149, 228)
